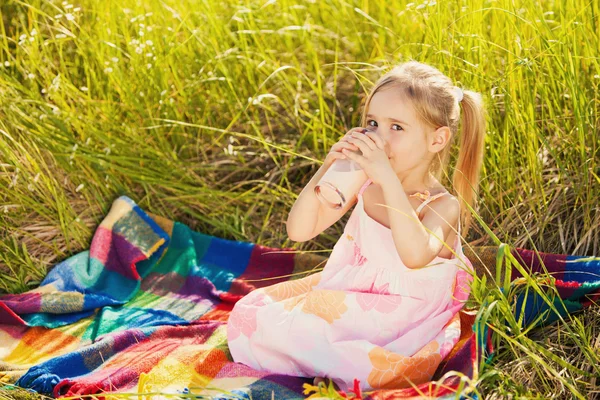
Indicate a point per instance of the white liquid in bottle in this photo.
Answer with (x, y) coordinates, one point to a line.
(340, 182)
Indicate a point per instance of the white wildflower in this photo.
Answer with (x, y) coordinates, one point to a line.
(55, 83)
(14, 180)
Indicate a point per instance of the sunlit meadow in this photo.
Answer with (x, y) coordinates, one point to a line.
(217, 113)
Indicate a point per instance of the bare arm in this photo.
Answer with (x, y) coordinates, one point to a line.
(308, 216)
(304, 214)
(415, 244)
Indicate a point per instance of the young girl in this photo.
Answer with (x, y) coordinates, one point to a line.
(384, 309)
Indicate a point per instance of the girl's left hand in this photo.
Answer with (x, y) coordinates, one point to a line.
(374, 160)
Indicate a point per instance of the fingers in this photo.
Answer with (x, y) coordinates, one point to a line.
(338, 154)
(344, 141)
(344, 145)
(354, 130)
(360, 159)
(362, 141)
(377, 139)
(336, 151)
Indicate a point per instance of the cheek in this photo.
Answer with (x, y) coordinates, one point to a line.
(397, 146)
(405, 151)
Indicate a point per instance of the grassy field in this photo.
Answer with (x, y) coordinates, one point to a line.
(217, 113)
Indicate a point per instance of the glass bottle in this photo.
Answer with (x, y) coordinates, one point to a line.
(341, 181)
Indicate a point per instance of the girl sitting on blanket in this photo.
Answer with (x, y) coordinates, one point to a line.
(384, 309)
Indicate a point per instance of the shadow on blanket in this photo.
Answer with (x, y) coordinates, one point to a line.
(144, 311)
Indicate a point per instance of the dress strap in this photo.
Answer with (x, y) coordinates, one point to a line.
(364, 186)
(428, 198)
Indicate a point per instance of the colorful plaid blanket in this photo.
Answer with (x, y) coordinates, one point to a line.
(145, 310)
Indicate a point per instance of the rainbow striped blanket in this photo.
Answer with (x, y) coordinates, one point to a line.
(144, 311)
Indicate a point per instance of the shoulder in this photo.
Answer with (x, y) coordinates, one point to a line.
(446, 207)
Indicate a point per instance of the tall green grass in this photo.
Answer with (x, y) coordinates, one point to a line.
(217, 113)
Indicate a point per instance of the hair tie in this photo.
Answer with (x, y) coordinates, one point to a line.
(459, 93)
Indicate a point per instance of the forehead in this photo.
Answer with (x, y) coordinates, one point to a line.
(390, 103)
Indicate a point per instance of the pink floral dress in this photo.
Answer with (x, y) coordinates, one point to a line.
(365, 315)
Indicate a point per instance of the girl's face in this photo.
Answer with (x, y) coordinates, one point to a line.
(396, 122)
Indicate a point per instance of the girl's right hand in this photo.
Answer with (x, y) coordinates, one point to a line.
(336, 150)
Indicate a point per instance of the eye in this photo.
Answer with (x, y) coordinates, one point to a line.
(400, 128)
(370, 124)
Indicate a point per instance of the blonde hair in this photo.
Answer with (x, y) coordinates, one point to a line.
(433, 97)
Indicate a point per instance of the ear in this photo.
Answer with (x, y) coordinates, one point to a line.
(439, 139)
